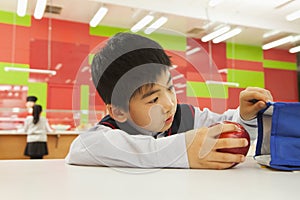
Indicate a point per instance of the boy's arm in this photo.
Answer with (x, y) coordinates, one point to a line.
(206, 118)
(113, 147)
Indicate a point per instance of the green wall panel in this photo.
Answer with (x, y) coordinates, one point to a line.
(11, 77)
(279, 65)
(246, 78)
(244, 52)
(84, 104)
(170, 42)
(106, 31)
(14, 19)
(91, 57)
(200, 89)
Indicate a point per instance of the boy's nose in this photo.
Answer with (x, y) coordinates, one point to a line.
(168, 103)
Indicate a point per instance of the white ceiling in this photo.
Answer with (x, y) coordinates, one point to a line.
(256, 17)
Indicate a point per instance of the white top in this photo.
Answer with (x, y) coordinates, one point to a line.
(36, 132)
(113, 147)
(53, 179)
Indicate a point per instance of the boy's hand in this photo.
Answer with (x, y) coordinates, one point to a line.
(252, 100)
(202, 145)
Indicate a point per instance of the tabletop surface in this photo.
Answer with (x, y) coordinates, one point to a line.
(53, 179)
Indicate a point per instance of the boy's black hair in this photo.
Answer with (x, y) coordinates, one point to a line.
(127, 62)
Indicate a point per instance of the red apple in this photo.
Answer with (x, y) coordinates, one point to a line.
(242, 133)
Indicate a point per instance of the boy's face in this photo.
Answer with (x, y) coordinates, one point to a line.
(154, 108)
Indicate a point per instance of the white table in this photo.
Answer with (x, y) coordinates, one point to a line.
(55, 180)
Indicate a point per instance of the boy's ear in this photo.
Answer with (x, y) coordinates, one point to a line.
(116, 113)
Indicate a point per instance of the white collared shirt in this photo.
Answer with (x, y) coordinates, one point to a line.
(103, 146)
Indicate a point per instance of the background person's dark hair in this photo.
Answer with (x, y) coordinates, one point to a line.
(36, 111)
(122, 54)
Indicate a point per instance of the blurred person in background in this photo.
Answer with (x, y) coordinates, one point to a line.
(36, 127)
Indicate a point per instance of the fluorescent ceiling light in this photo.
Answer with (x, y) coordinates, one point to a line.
(293, 16)
(233, 84)
(179, 76)
(192, 51)
(85, 68)
(227, 35)
(142, 23)
(213, 3)
(173, 67)
(98, 16)
(277, 42)
(38, 71)
(179, 91)
(223, 71)
(58, 66)
(282, 3)
(156, 25)
(180, 85)
(271, 33)
(22, 7)
(39, 9)
(295, 49)
(215, 34)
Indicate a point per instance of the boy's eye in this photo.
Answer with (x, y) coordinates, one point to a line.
(153, 100)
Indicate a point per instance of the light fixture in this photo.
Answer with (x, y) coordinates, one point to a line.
(85, 68)
(142, 23)
(213, 3)
(39, 9)
(223, 71)
(293, 16)
(232, 84)
(22, 7)
(282, 3)
(156, 25)
(98, 16)
(295, 49)
(277, 42)
(179, 91)
(193, 51)
(179, 76)
(215, 34)
(58, 66)
(227, 35)
(180, 85)
(38, 71)
(173, 67)
(270, 33)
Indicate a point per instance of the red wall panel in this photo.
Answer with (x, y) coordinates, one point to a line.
(282, 84)
(233, 100)
(59, 96)
(14, 44)
(96, 42)
(245, 65)
(279, 55)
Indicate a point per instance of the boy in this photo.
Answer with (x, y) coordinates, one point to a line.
(146, 127)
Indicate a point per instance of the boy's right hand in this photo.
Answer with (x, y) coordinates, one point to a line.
(202, 145)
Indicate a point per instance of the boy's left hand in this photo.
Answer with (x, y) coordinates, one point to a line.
(252, 100)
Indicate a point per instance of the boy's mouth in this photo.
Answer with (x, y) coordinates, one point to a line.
(169, 120)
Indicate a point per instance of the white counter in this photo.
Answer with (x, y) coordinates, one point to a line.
(53, 179)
